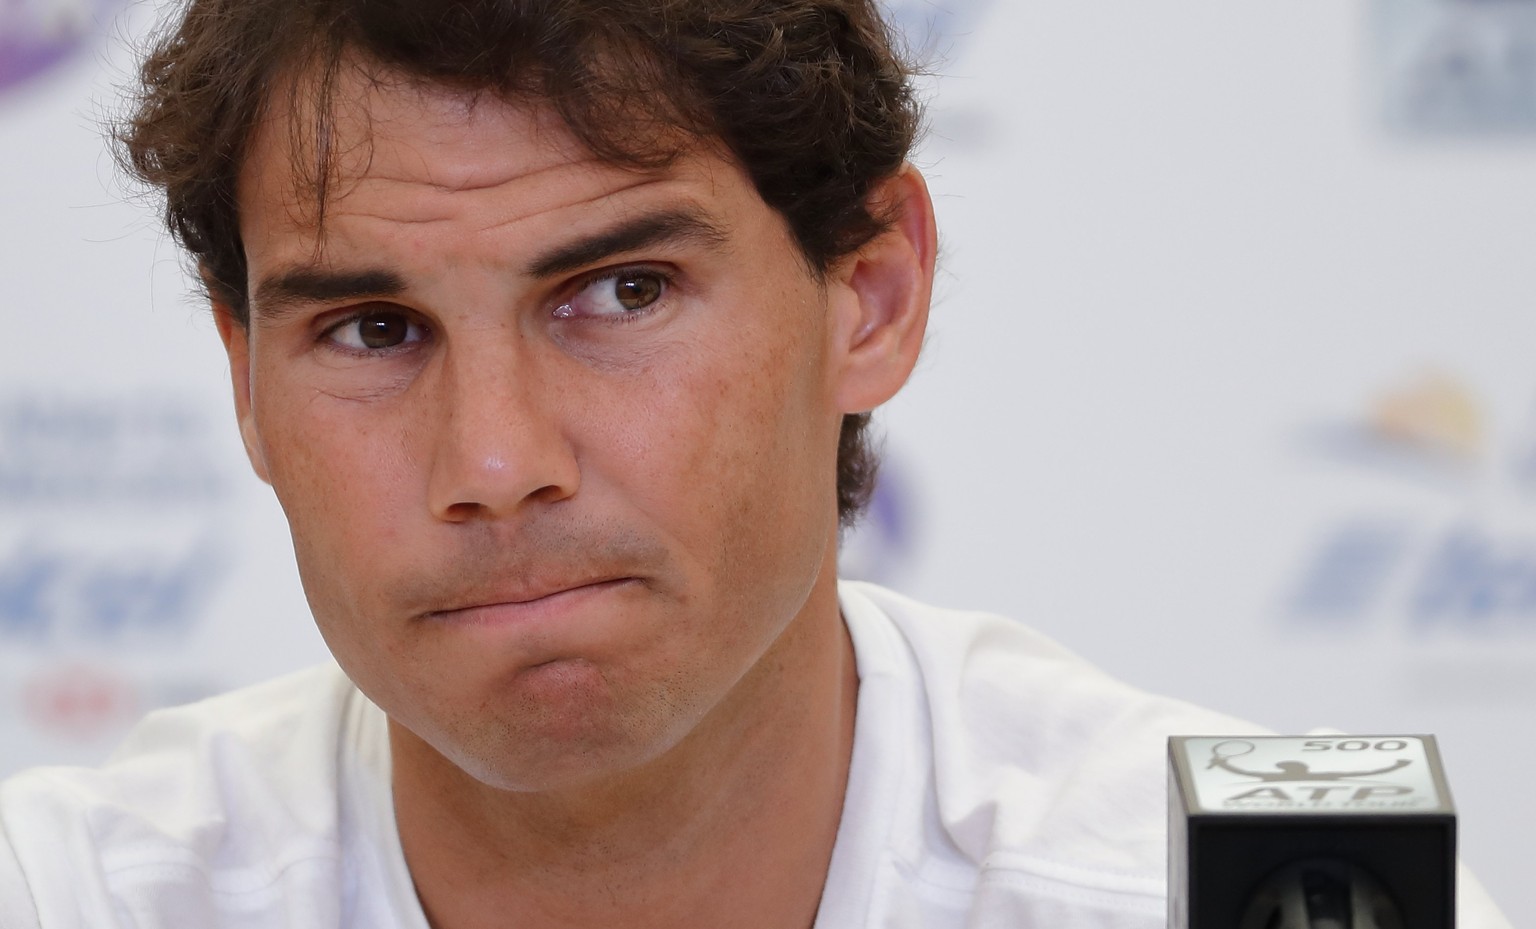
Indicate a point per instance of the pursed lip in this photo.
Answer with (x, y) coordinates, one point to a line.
(525, 599)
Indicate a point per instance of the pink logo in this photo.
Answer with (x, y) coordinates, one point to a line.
(80, 701)
(35, 35)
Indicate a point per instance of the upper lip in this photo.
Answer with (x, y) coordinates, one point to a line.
(521, 593)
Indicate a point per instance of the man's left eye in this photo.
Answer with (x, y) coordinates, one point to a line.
(625, 293)
(375, 330)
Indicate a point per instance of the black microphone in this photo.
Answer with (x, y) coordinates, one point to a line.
(1309, 832)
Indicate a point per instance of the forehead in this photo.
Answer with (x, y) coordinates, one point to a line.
(377, 136)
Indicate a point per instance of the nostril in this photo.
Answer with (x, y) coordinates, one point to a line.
(465, 512)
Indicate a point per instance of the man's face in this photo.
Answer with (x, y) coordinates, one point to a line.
(556, 440)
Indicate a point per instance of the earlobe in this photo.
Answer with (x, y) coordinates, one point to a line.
(884, 292)
(237, 345)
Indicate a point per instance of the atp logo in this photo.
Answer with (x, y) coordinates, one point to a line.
(36, 35)
(1287, 774)
(1321, 784)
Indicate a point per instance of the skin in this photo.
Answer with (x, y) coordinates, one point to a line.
(573, 530)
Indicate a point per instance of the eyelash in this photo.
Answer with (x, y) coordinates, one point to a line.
(580, 285)
(327, 332)
(613, 274)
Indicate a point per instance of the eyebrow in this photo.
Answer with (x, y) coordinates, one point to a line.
(668, 227)
(279, 295)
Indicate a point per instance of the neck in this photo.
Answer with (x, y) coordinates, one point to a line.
(734, 826)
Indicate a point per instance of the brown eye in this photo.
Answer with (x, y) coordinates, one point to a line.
(377, 330)
(625, 293)
(637, 291)
(383, 330)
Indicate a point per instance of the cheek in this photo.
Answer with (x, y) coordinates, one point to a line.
(716, 422)
(325, 472)
(740, 441)
(342, 482)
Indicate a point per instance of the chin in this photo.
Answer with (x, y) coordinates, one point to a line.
(528, 769)
(561, 745)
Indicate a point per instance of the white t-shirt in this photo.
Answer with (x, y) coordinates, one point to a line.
(997, 781)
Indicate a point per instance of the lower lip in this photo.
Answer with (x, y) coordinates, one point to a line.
(553, 607)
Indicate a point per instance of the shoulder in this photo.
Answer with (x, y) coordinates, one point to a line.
(1044, 779)
(231, 796)
(1046, 775)
(1025, 698)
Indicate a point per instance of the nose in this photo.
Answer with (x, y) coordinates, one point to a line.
(497, 445)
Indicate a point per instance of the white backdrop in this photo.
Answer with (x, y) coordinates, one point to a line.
(1230, 385)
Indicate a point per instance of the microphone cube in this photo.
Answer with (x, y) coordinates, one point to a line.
(1275, 832)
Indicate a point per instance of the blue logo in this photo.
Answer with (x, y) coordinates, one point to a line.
(1458, 67)
(1463, 577)
(880, 547)
(36, 35)
(55, 595)
(1468, 574)
(926, 23)
(140, 452)
(113, 534)
(1353, 569)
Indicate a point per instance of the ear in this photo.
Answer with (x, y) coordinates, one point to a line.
(237, 344)
(882, 294)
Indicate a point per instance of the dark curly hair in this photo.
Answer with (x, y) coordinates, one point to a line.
(810, 96)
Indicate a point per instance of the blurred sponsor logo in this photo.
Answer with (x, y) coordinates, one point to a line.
(927, 23)
(80, 701)
(937, 32)
(880, 548)
(112, 532)
(1429, 562)
(35, 35)
(1473, 578)
(1429, 427)
(137, 452)
(1452, 66)
(52, 597)
(1522, 457)
(1463, 577)
(89, 704)
(1350, 571)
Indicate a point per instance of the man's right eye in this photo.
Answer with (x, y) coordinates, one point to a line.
(375, 330)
